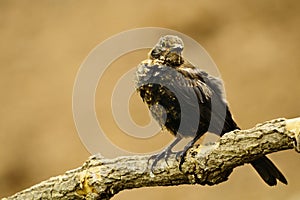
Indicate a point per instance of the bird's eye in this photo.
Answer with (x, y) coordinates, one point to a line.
(155, 53)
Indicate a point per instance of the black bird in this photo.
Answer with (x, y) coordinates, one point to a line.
(188, 102)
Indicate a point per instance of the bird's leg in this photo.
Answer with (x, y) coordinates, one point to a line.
(164, 154)
(181, 154)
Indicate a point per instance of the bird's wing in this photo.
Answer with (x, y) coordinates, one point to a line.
(204, 80)
(194, 97)
(220, 119)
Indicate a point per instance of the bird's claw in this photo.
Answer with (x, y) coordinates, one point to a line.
(180, 158)
(158, 157)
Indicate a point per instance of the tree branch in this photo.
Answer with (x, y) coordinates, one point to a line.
(101, 178)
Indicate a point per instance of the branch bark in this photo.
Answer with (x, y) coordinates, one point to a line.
(101, 178)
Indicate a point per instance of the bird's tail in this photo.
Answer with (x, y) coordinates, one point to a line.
(268, 171)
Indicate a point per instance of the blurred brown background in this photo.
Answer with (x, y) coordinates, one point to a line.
(255, 44)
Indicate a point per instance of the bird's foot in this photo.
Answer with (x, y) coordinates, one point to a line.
(157, 157)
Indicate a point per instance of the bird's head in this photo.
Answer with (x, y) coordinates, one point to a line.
(168, 50)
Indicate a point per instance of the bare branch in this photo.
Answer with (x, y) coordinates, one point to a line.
(101, 178)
